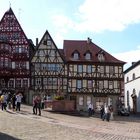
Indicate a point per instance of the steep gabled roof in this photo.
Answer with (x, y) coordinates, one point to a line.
(11, 30)
(59, 50)
(82, 46)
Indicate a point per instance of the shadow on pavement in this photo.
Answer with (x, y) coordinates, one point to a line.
(4, 136)
(131, 118)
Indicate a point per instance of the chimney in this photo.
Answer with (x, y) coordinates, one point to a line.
(133, 63)
(88, 40)
(36, 41)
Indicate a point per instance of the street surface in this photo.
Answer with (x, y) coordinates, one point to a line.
(54, 126)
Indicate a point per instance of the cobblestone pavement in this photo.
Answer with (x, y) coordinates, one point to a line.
(53, 126)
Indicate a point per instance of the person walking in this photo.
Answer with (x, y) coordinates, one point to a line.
(89, 109)
(3, 101)
(13, 100)
(111, 112)
(39, 104)
(35, 105)
(105, 112)
(18, 101)
(108, 114)
(102, 111)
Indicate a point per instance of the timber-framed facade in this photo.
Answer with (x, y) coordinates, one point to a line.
(81, 71)
(14, 55)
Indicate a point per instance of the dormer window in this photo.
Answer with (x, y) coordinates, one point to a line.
(101, 57)
(76, 55)
(88, 56)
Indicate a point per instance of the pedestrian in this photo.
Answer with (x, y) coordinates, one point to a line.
(102, 111)
(111, 112)
(18, 101)
(108, 114)
(92, 109)
(3, 101)
(9, 100)
(105, 112)
(13, 100)
(39, 105)
(89, 109)
(35, 105)
(43, 102)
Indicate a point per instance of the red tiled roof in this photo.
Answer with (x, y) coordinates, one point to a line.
(82, 47)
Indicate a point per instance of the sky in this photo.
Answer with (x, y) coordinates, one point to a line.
(114, 25)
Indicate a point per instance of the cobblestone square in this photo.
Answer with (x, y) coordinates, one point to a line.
(53, 126)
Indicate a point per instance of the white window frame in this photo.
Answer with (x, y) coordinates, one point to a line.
(76, 56)
(88, 56)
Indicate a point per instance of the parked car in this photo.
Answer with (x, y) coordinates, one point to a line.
(123, 112)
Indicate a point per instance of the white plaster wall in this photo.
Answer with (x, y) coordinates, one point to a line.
(134, 84)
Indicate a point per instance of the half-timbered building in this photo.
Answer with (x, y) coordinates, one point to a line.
(81, 71)
(48, 71)
(14, 54)
(93, 74)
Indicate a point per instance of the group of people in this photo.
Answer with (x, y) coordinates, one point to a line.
(37, 105)
(11, 101)
(106, 112)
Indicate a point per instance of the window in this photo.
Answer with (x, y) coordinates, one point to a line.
(81, 100)
(127, 79)
(110, 84)
(49, 43)
(25, 83)
(101, 84)
(37, 66)
(53, 67)
(38, 81)
(88, 100)
(3, 83)
(11, 83)
(18, 83)
(87, 56)
(101, 57)
(79, 84)
(43, 66)
(45, 81)
(79, 68)
(102, 69)
(111, 70)
(133, 77)
(89, 84)
(76, 56)
(20, 65)
(89, 69)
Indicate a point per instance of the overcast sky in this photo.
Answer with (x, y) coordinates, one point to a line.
(114, 25)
